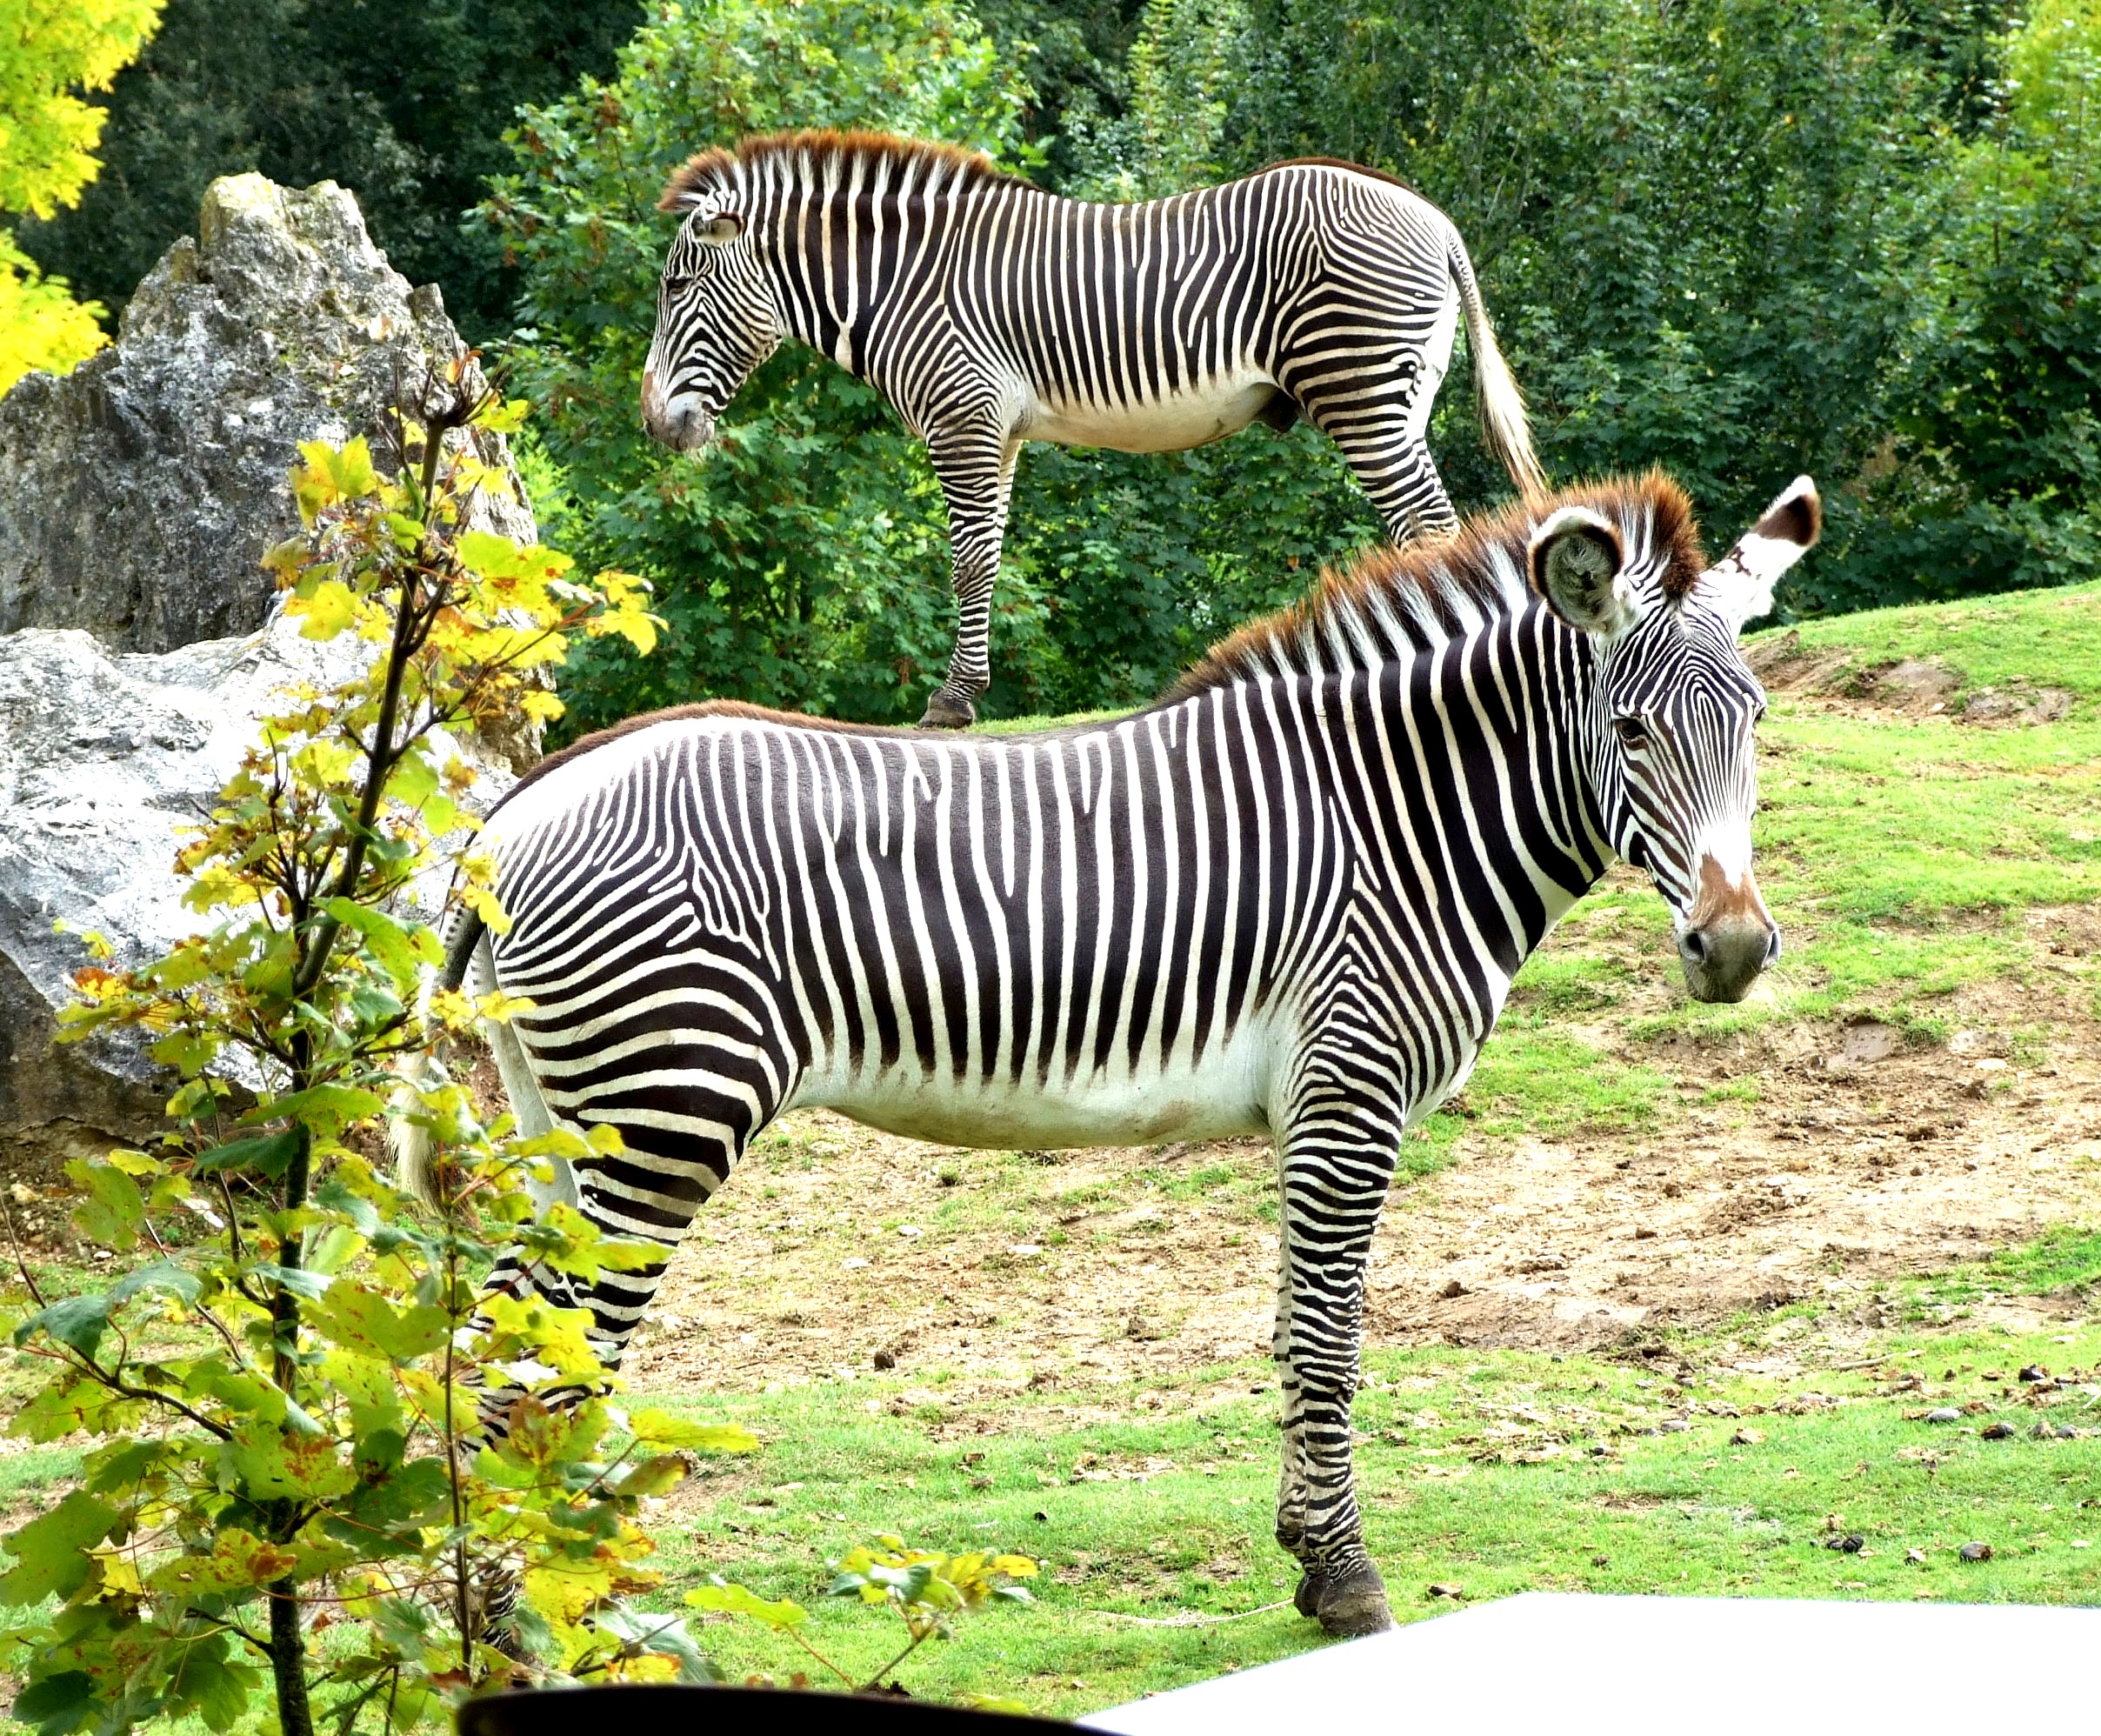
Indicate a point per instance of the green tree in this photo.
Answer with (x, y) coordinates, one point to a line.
(1990, 474)
(299, 90)
(49, 49)
(281, 1405)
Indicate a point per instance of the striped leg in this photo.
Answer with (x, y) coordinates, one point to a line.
(1378, 420)
(684, 1118)
(1338, 1152)
(975, 466)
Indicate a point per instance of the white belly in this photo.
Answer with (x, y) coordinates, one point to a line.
(1224, 1098)
(1191, 418)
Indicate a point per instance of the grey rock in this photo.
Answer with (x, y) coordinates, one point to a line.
(1944, 1413)
(139, 643)
(139, 493)
(103, 757)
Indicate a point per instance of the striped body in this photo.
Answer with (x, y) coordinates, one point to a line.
(1103, 937)
(990, 312)
(1289, 899)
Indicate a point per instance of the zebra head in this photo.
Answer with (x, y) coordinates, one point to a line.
(716, 318)
(1668, 737)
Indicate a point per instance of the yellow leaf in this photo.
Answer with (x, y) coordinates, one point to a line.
(327, 613)
(540, 706)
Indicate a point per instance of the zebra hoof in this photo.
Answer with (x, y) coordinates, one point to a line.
(944, 712)
(1306, 1599)
(1352, 1604)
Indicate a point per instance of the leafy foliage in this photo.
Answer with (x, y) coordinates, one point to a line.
(284, 1406)
(926, 1590)
(301, 90)
(779, 557)
(48, 136)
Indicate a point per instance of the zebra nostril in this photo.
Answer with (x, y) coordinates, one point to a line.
(1772, 947)
(1693, 945)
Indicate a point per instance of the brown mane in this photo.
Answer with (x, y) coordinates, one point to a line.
(1424, 594)
(710, 167)
(706, 708)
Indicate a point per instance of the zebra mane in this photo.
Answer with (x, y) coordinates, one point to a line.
(1388, 604)
(815, 151)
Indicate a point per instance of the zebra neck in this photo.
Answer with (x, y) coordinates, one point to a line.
(1489, 765)
(837, 256)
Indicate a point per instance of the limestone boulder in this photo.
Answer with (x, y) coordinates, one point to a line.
(105, 756)
(139, 493)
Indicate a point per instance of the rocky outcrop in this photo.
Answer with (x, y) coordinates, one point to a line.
(139, 493)
(137, 647)
(103, 759)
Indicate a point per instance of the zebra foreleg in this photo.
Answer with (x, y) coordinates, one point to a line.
(1332, 1192)
(976, 468)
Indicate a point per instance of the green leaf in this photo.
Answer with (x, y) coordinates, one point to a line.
(328, 1108)
(164, 1277)
(727, 1600)
(400, 948)
(207, 1681)
(656, 1427)
(265, 1462)
(363, 1319)
(113, 1211)
(78, 1322)
(57, 1704)
(655, 1475)
(334, 1196)
(52, 1552)
(268, 1154)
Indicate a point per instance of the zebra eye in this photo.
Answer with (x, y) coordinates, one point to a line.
(1632, 734)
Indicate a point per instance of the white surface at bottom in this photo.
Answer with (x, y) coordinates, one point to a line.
(1550, 1664)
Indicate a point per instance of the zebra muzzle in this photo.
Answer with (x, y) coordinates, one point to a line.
(680, 422)
(1728, 939)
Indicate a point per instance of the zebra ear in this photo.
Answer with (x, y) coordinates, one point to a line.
(1577, 561)
(1739, 586)
(722, 229)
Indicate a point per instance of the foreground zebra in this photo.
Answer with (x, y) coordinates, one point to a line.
(989, 312)
(1287, 899)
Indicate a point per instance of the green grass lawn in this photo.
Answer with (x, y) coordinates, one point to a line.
(1494, 1473)
(1912, 861)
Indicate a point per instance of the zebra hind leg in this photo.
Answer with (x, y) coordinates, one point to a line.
(648, 1192)
(1332, 1193)
(1379, 437)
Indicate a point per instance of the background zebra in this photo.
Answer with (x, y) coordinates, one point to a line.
(1287, 899)
(989, 312)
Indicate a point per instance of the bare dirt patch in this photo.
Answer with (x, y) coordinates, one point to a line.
(1913, 687)
(1805, 1163)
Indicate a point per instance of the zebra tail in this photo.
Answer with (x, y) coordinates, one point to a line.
(1501, 404)
(408, 1128)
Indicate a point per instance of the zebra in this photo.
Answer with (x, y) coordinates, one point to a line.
(1287, 899)
(989, 312)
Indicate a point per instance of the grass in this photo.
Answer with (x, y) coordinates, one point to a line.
(1495, 1472)
(2041, 638)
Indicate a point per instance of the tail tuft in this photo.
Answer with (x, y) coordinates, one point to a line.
(1502, 405)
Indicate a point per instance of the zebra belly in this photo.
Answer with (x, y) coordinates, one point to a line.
(1221, 1101)
(1194, 417)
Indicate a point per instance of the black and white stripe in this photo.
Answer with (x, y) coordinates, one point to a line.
(1287, 900)
(990, 312)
